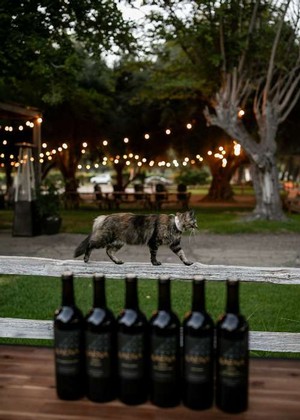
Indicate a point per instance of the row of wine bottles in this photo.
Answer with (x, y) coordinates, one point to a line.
(134, 359)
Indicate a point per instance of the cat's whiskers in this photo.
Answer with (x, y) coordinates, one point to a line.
(192, 233)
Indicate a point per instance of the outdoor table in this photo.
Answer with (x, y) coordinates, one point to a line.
(27, 391)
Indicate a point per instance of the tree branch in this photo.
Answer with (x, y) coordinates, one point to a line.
(250, 31)
(272, 57)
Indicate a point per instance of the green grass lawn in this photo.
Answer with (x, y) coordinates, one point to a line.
(215, 220)
(268, 307)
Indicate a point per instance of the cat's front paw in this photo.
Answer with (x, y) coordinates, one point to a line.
(119, 262)
(156, 262)
(86, 259)
(188, 262)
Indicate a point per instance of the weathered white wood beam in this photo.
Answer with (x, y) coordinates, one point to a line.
(53, 267)
(259, 340)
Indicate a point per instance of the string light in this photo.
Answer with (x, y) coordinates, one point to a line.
(236, 148)
(138, 160)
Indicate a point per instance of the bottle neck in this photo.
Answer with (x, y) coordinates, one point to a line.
(99, 292)
(198, 301)
(232, 297)
(67, 291)
(131, 295)
(164, 295)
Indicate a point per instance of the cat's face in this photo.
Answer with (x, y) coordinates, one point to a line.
(188, 220)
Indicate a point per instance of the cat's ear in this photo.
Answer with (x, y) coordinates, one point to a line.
(192, 213)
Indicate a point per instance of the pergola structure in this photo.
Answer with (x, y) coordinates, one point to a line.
(17, 112)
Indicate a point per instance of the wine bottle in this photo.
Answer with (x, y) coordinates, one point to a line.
(232, 359)
(100, 346)
(165, 350)
(69, 344)
(132, 334)
(198, 352)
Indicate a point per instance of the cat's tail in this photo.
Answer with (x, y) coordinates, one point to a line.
(82, 247)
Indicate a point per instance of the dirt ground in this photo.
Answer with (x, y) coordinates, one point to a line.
(262, 250)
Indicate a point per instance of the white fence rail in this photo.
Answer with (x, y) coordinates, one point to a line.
(38, 329)
(52, 267)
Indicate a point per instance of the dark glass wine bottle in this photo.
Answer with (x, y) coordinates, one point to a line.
(69, 344)
(100, 346)
(232, 355)
(165, 350)
(132, 336)
(198, 352)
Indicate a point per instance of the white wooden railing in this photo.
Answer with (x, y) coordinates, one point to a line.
(259, 340)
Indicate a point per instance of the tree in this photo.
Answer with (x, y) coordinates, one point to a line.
(51, 58)
(180, 79)
(223, 39)
(276, 93)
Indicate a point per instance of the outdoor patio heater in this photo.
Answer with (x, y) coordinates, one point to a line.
(26, 220)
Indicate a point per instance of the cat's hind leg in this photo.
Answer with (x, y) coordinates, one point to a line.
(111, 249)
(92, 244)
(153, 247)
(87, 253)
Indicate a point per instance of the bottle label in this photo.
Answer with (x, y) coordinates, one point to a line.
(163, 358)
(67, 346)
(233, 361)
(98, 354)
(131, 356)
(197, 359)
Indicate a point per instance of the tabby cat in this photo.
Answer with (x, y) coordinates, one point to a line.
(115, 230)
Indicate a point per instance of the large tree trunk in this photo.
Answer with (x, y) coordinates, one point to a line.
(67, 163)
(266, 186)
(222, 171)
(262, 155)
(220, 189)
